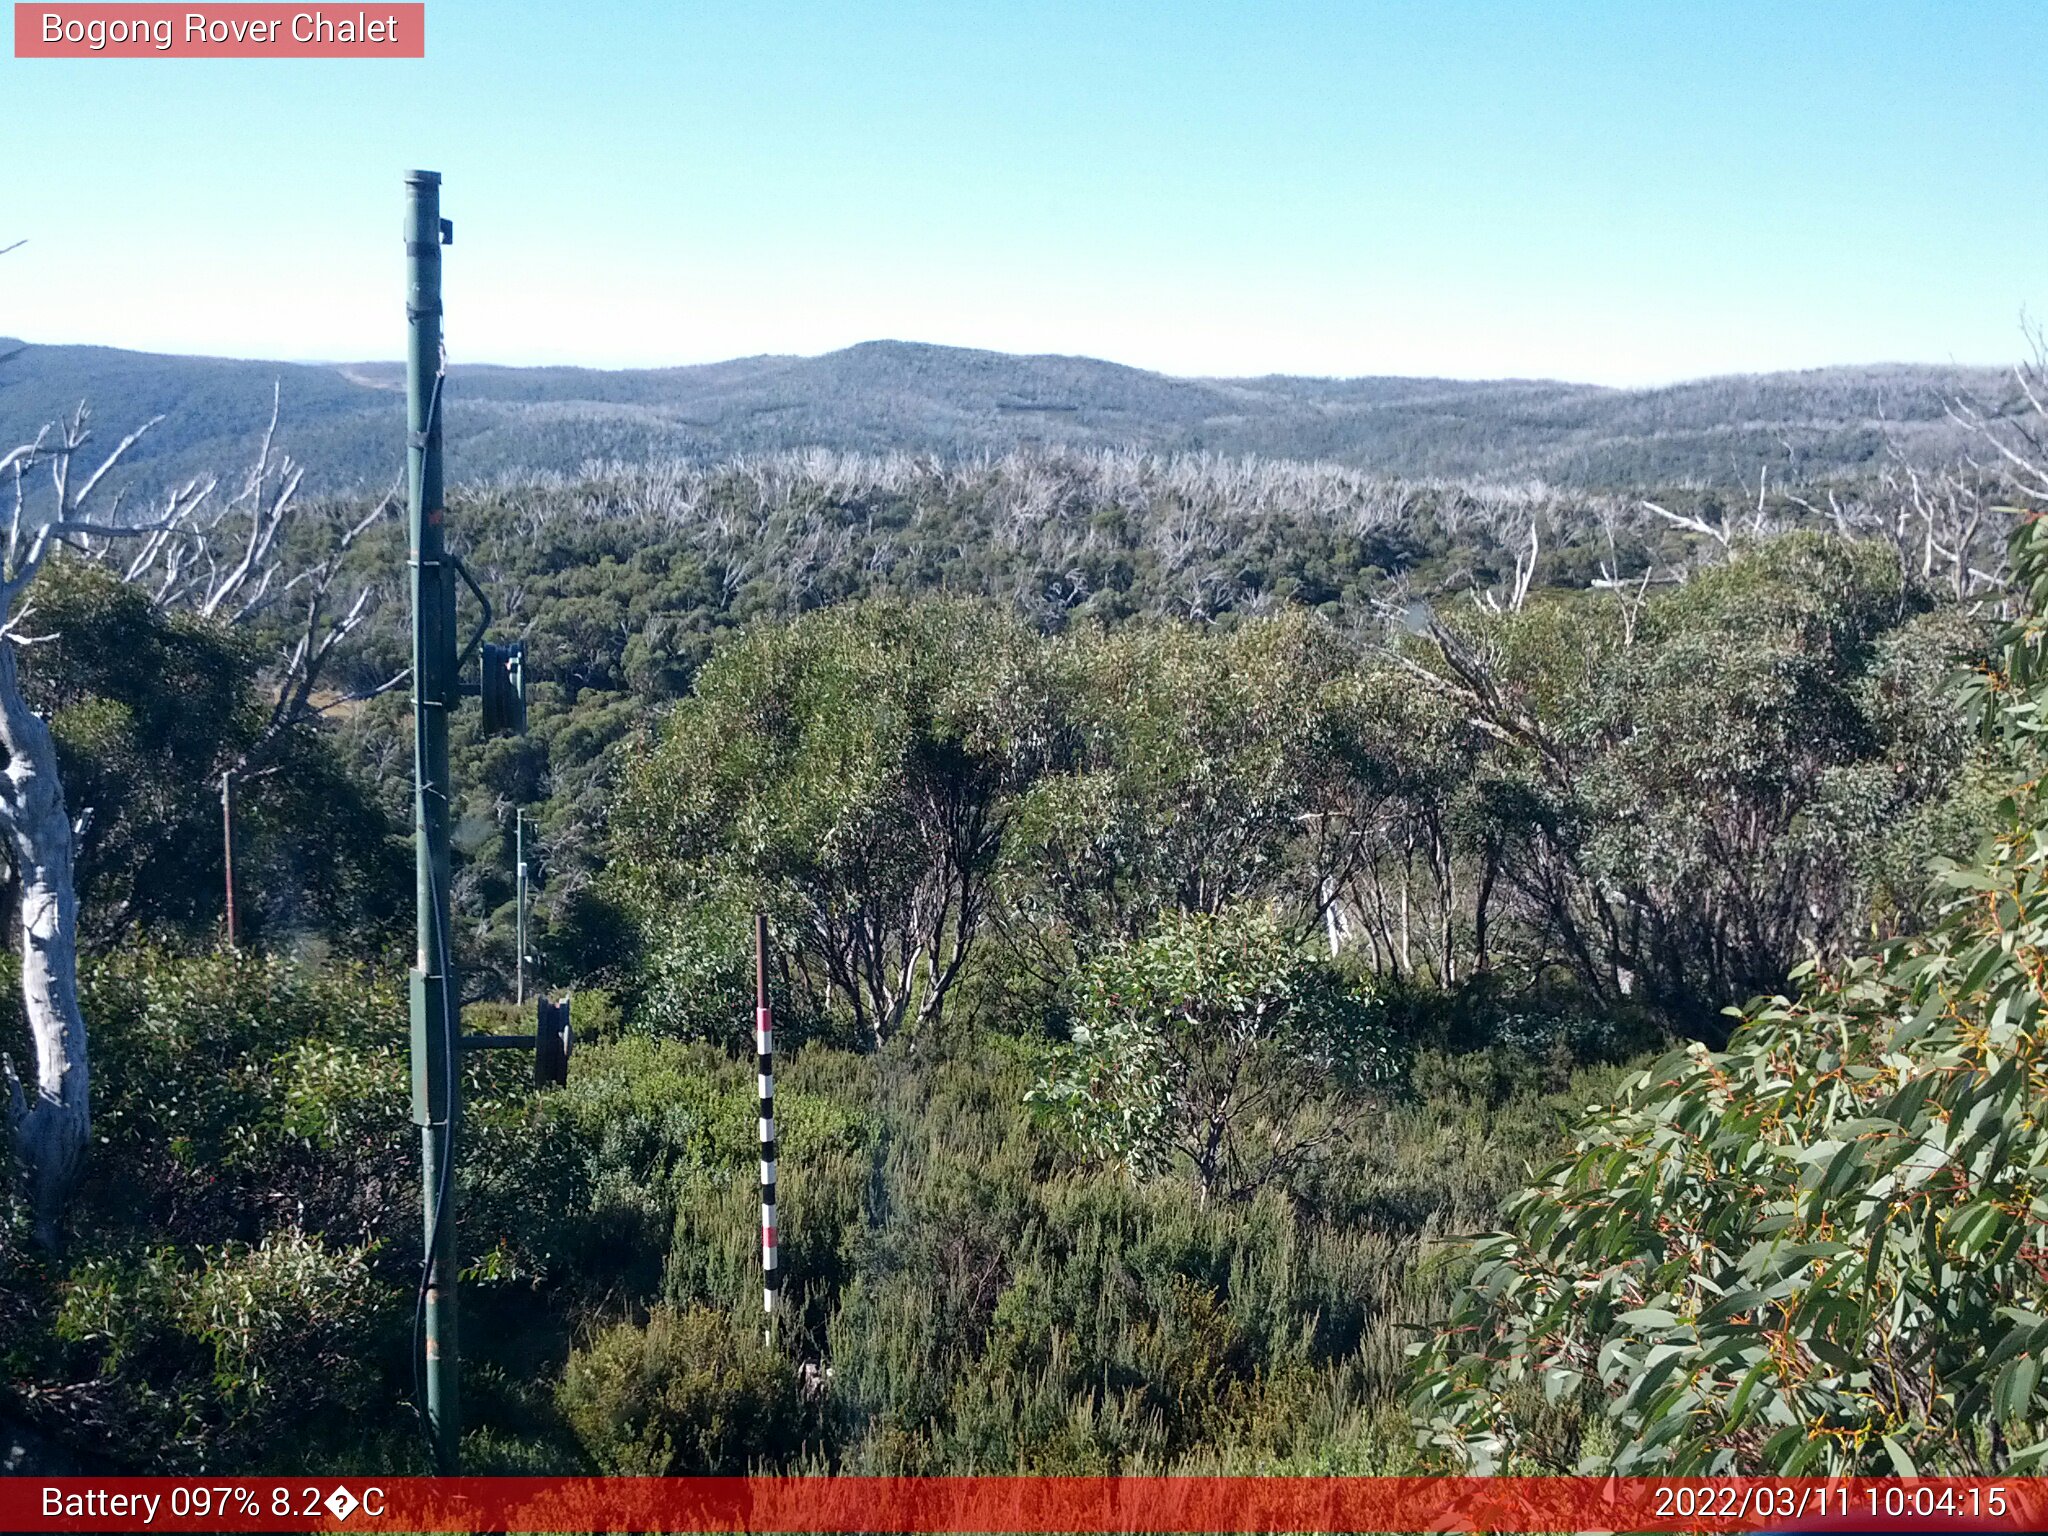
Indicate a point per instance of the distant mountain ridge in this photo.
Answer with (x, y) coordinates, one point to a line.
(344, 422)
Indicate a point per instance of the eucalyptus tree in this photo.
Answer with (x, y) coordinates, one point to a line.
(1416, 842)
(1817, 1251)
(1200, 768)
(1687, 799)
(49, 1118)
(855, 773)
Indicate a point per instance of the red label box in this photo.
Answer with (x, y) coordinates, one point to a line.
(373, 30)
(959, 1506)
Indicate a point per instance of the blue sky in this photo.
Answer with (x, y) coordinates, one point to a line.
(1624, 193)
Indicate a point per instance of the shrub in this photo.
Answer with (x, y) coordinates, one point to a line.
(595, 1015)
(236, 1093)
(1218, 1043)
(690, 1393)
(251, 1351)
(652, 1140)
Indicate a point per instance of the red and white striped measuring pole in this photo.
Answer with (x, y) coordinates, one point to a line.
(764, 1066)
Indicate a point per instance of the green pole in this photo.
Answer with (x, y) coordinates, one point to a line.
(435, 1009)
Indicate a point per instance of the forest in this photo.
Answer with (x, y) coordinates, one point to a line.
(1278, 968)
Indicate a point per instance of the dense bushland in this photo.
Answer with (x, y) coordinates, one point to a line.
(983, 1296)
(148, 708)
(1665, 810)
(1820, 1249)
(624, 580)
(1182, 931)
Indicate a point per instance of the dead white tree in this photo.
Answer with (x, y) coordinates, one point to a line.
(1518, 589)
(1719, 532)
(1960, 530)
(1952, 522)
(49, 1119)
(1633, 595)
(228, 560)
(222, 559)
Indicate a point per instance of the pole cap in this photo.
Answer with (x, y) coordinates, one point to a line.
(430, 178)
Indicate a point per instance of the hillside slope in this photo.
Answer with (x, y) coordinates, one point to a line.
(345, 421)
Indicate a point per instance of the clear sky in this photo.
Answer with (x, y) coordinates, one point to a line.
(1622, 193)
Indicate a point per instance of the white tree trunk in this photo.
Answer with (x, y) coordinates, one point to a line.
(51, 1124)
(52, 1129)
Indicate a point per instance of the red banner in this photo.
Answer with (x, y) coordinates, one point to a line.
(239, 31)
(1022, 1504)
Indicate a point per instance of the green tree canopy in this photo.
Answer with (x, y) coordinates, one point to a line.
(1686, 803)
(148, 708)
(1193, 771)
(1819, 1250)
(854, 774)
(1216, 1043)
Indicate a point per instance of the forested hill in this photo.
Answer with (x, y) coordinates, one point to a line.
(343, 421)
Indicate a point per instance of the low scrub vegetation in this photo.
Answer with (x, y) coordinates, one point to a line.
(1180, 947)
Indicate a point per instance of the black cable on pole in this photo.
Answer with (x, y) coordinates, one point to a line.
(450, 1013)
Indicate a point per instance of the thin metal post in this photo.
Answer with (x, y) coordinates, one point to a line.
(435, 1011)
(519, 845)
(764, 1066)
(227, 846)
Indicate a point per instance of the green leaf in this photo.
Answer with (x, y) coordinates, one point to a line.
(2013, 1396)
(1649, 1317)
(1902, 1463)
